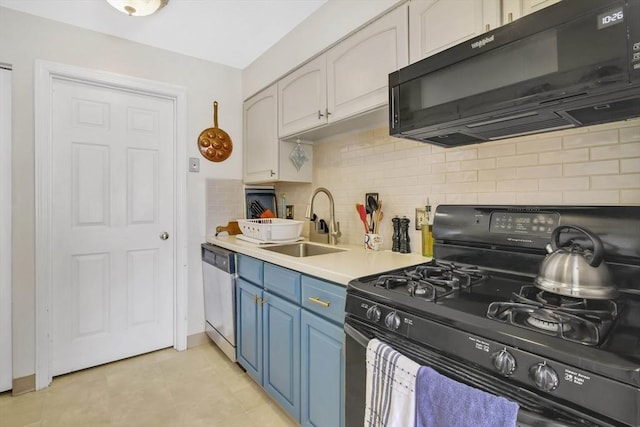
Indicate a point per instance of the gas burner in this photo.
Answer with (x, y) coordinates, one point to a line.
(422, 289)
(549, 321)
(579, 320)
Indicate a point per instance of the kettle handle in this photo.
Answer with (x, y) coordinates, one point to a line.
(598, 248)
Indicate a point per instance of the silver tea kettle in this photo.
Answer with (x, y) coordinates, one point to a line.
(574, 271)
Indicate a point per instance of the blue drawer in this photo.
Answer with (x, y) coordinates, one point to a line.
(283, 282)
(324, 298)
(250, 269)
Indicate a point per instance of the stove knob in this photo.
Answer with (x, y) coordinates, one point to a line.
(544, 377)
(504, 362)
(392, 321)
(373, 313)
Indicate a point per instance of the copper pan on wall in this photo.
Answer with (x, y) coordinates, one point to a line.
(214, 143)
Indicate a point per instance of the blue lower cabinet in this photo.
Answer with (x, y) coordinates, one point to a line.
(323, 366)
(249, 328)
(281, 375)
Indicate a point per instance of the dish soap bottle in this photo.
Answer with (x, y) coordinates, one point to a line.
(427, 233)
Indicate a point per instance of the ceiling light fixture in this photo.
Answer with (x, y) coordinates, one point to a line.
(138, 7)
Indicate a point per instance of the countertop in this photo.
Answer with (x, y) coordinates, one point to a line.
(340, 267)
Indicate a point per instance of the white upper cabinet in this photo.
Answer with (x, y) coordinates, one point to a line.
(435, 25)
(261, 136)
(349, 79)
(266, 157)
(303, 98)
(358, 68)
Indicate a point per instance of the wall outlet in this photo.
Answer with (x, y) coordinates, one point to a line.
(194, 164)
(421, 218)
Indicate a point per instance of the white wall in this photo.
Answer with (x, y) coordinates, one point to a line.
(25, 38)
(5, 230)
(330, 23)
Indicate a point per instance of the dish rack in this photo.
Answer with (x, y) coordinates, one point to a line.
(271, 229)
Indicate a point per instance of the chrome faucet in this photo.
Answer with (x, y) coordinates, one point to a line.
(334, 227)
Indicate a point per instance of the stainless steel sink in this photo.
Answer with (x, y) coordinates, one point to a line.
(303, 249)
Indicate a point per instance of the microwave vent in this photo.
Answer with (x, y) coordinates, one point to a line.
(451, 139)
(525, 128)
(607, 112)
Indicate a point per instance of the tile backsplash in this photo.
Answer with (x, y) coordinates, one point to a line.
(597, 165)
(225, 202)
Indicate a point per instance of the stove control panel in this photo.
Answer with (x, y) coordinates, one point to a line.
(525, 223)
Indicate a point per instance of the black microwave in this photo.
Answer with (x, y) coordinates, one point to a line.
(572, 64)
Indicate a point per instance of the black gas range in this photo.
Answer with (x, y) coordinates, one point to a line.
(475, 315)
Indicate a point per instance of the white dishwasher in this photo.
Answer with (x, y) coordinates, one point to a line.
(219, 280)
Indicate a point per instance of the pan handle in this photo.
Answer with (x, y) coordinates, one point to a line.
(215, 114)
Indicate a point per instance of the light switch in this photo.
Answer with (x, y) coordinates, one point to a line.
(194, 164)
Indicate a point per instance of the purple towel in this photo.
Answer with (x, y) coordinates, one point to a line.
(441, 401)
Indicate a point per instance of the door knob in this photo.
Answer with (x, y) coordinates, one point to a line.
(164, 235)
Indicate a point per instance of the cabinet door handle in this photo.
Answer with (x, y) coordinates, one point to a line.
(487, 27)
(327, 112)
(510, 16)
(319, 301)
(272, 172)
(320, 115)
(255, 299)
(261, 301)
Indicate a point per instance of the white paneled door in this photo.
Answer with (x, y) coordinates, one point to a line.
(112, 224)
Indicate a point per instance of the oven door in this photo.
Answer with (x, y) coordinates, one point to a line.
(534, 411)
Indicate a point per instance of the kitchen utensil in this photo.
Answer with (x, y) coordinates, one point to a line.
(574, 271)
(256, 210)
(267, 214)
(260, 205)
(231, 228)
(372, 206)
(214, 143)
(363, 216)
(377, 216)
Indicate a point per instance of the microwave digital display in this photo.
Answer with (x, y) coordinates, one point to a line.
(612, 17)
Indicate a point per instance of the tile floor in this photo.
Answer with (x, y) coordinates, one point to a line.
(196, 387)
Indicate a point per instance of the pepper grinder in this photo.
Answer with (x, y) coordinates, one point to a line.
(405, 247)
(395, 247)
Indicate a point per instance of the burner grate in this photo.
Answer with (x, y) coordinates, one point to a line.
(432, 280)
(573, 319)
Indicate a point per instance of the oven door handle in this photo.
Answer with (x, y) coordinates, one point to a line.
(358, 336)
(532, 419)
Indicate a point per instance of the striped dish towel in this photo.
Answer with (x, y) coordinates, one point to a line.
(390, 387)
